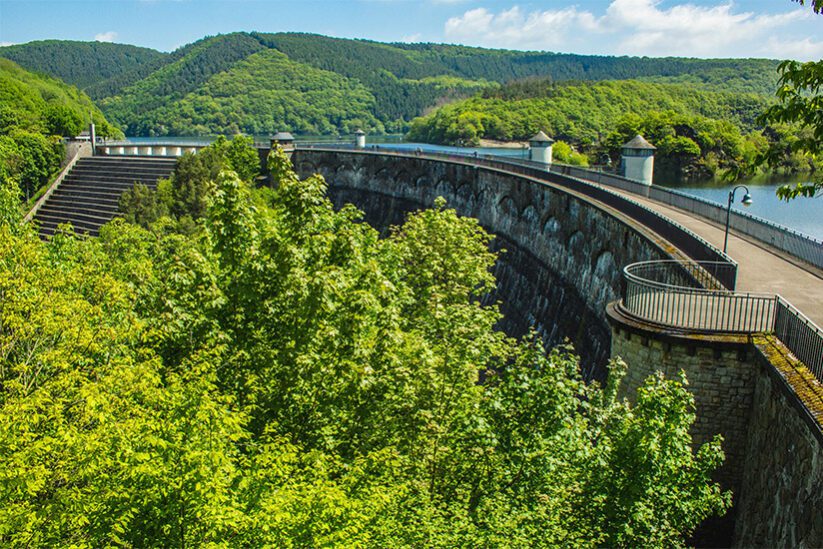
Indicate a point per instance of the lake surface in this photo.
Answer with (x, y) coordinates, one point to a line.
(804, 215)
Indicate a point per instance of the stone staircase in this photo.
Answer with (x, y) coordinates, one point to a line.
(89, 195)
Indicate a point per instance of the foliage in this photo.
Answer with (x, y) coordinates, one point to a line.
(697, 132)
(28, 159)
(185, 195)
(63, 121)
(285, 377)
(79, 63)
(260, 83)
(34, 111)
(800, 102)
(29, 99)
(564, 153)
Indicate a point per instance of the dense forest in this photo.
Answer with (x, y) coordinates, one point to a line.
(35, 112)
(248, 367)
(80, 63)
(696, 131)
(378, 86)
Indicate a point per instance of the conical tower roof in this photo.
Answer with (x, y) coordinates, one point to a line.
(358, 131)
(541, 137)
(638, 143)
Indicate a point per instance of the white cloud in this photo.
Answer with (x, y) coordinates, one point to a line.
(688, 29)
(3, 44)
(641, 27)
(412, 38)
(109, 36)
(515, 28)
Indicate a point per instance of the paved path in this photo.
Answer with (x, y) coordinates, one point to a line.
(760, 269)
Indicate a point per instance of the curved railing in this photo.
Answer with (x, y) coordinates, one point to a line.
(683, 296)
(783, 238)
(675, 293)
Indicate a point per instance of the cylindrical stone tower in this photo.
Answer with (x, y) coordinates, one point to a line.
(540, 148)
(360, 139)
(638, 160)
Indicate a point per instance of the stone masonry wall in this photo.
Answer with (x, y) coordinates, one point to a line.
(774, 449)
(721, 379)
(564, 257)
(781, 497)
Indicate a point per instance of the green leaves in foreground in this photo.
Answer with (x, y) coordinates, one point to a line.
(286, 378)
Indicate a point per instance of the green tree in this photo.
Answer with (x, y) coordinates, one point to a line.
(63, 120)
(800, 103)
(286, 377)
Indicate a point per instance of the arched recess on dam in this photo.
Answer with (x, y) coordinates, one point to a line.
(563, 255)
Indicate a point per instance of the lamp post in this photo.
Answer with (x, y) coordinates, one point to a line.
(746, 201)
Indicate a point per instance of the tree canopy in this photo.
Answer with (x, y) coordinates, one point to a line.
(282, 376)
(800, 103)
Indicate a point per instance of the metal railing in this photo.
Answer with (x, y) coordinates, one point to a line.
(802, 336)
(683, 295)
(796, 244)
(680, 295)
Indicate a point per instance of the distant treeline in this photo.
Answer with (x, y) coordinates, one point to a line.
(697, 132)
(261, 83)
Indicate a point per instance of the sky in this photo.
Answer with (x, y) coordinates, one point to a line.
(778, 29)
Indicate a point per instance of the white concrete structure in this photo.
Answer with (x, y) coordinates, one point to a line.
(638, 160)
(93, 139)
(540, 148)
(176, 151)
(360, 139)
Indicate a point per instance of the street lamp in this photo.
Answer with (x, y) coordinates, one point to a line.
(746, 201)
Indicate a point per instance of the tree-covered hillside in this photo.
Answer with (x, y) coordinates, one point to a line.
(82, 64)
(390, 83)
(35, 111)
(262, 93)
(696, 131)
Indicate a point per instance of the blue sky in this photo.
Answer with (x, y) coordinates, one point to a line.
(700, 28)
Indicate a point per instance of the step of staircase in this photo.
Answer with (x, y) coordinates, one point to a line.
(89, 195)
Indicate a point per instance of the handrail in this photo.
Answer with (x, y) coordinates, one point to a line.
(783, 238)
(56, 183)
(687, 241)
(668, 293)
(664, 293)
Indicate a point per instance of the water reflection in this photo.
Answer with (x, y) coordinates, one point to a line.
(804, 215)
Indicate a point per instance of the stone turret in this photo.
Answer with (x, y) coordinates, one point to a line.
(638, 160)
(540, 148)
(284, 139)
(360, 139)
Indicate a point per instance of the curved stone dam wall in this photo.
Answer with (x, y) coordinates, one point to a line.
(562, 256)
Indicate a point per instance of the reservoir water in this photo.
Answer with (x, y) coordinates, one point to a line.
(804, 215)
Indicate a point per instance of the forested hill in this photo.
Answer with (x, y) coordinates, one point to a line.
(35, 110)
(35, 102)
(697, 131)
(82, 64)
(259, 83)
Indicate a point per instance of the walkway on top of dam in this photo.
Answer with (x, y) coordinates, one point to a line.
(760, 269)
